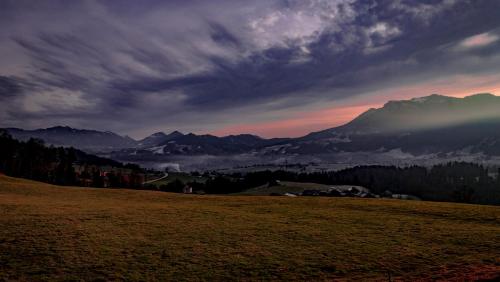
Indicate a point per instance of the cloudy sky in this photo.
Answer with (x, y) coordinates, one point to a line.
(273, 68)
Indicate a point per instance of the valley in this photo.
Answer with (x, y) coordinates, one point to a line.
(420, 131)
(266, 140)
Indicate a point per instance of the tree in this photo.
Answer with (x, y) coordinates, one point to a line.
(464, 194)
(175, 186)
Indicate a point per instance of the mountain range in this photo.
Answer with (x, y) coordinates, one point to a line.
(87, 140)
(172, 143)
(433, 124)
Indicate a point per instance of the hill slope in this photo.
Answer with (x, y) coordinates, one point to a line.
(61, 233)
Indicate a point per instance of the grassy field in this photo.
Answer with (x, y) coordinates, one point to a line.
(184, 177)
(284, 187)
(66, 233)
(288, 187)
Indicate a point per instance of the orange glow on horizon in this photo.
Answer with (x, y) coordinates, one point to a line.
(302, 123)
(298, 125)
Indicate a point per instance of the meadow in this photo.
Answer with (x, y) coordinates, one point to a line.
(56, 233)
(173, 176)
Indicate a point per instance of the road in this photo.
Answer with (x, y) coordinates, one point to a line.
(157, 179)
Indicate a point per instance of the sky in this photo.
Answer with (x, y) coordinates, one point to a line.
(274, 68)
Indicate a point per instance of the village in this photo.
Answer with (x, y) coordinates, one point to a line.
(108, 176)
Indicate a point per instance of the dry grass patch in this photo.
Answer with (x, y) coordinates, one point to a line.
(62, 233)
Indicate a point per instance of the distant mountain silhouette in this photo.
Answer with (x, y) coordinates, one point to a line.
(434, 111)
(157, 138)
(432, 124)
(88, 140)
(427, 125)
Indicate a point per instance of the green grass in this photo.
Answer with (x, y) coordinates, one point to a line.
(286, 187)
(184, 177)
(67, 233)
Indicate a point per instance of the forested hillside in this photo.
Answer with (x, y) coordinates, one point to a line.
(33, 160)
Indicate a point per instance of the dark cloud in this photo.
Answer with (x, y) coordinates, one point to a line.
(270, 75)
(221, 35)
(189, 64)
(9, 87)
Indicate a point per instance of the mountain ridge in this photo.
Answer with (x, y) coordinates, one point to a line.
(84, 139)
(396, 125)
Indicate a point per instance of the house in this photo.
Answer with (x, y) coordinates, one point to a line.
(107, 176)
(311, 193)
(187, 189)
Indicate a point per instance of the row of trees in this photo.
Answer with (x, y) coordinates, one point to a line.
(33, 160)
(456, 182)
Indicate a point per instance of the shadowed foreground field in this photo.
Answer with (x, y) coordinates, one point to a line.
(62, 233)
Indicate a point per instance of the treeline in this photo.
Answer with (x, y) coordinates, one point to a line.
(456, 182)
(33, 160)
(452, 182)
